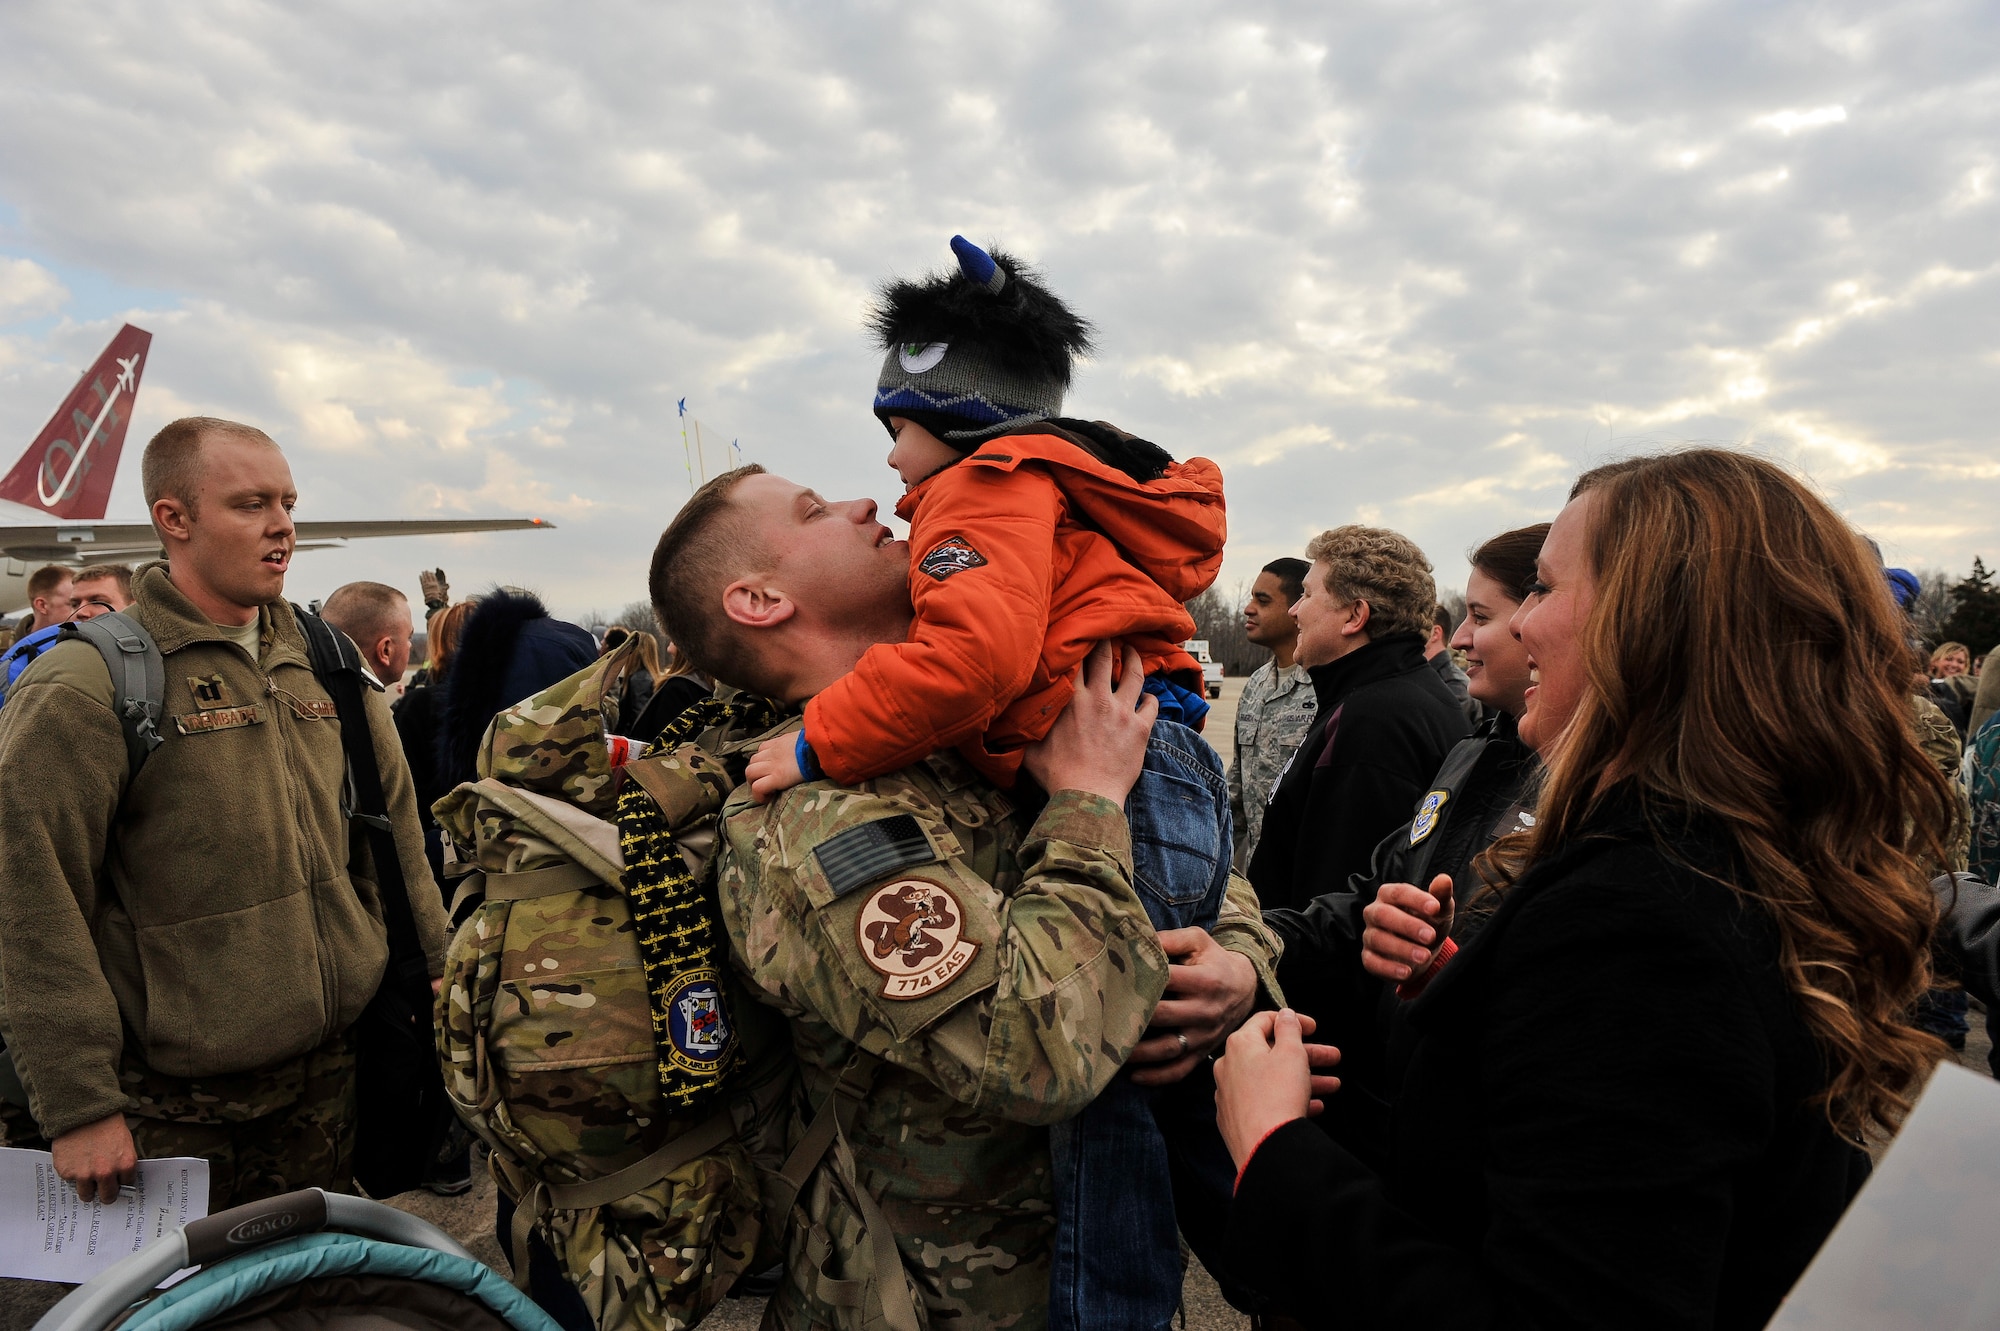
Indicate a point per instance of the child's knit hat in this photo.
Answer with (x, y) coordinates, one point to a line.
(975, 352)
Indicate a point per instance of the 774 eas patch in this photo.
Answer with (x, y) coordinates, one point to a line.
(911, 933)
(954, 554)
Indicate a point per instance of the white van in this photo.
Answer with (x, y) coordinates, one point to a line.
(1211, 673)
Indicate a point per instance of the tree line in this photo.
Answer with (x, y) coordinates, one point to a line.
(1966, 611)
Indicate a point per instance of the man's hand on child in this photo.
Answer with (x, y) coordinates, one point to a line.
(774, 768)
(1098, 744)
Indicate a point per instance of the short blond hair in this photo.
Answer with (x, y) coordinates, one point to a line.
(171, 467)
(1383, 568)
(709, 545)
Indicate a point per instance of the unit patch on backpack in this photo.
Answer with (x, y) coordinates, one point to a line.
(954, 554)
(699, 1031)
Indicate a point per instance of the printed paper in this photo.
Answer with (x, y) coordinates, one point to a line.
(47, 1233)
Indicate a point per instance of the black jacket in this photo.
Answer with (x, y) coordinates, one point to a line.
(1478, 794)
(510, 649)
(417, 725)
(1606, 1120)
(674, 695)
(1385, 722)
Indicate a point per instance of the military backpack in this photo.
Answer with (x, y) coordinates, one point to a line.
(588, 1027)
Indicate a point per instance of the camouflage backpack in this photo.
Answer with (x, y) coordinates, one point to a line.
(588, 1028)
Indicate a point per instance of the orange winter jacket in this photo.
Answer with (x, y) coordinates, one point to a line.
(1022, 557)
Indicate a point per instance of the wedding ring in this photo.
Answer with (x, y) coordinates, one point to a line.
(1183, 1039)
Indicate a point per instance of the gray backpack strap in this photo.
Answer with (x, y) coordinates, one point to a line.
(138, 677)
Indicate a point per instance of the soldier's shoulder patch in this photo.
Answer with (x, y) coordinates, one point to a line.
(1426, 820)
(954, 554)
(863, 854)
(912, 933)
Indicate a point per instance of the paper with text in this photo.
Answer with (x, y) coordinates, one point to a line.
(46, 1233)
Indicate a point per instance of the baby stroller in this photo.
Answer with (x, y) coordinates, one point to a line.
(275, 1265)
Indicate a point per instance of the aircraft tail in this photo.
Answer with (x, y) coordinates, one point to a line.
(69, 468)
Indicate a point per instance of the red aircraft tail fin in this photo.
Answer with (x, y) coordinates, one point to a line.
(69, 468)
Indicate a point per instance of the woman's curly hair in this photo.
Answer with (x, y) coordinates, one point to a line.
(1383, 568)
(1717, 573)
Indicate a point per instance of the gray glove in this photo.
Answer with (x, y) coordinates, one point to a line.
(437, 592)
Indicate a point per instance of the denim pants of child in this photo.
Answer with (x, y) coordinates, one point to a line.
(1117, 1258)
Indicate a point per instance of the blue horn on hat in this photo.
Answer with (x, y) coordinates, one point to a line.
(978, 265)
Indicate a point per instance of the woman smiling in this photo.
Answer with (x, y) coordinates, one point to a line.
(1635, 1098)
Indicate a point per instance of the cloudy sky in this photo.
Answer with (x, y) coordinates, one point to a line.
(1406, 263)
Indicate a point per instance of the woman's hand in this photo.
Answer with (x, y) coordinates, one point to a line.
(1098, 744)
(1401, 924)
(1269, 1077)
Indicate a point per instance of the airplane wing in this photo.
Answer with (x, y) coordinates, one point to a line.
(95, 542)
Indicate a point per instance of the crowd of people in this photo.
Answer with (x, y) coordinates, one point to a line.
(1528, 967)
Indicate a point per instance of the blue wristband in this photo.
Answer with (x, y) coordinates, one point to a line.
(808, 764)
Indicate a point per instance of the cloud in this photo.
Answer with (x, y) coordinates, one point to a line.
(28, 290)
(1423, 262)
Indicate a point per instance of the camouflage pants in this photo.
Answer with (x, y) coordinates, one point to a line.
(262, 1133)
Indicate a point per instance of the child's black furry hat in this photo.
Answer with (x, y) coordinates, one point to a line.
(975, 352)
(1024, 328)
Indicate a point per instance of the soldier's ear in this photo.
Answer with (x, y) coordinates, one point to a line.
(756, 604)
(172, 518)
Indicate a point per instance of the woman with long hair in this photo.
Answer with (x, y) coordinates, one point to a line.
(1475, 796)
(1637, 1097)
(417, 725)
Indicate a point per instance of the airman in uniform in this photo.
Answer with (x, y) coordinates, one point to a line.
(184, 948)
(1000, 966)
(1276, 707)
(960, 968)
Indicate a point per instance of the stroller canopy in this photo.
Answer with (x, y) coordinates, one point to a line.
(277, 1265)
(340, 1282)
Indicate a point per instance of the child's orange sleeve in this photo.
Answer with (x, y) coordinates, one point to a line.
(982, 555)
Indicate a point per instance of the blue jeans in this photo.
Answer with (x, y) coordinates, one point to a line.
(1117, 1258)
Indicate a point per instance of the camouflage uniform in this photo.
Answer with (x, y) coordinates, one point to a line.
(1939, 741)
(262, 1133)
(1272, 718)
(1028, 976)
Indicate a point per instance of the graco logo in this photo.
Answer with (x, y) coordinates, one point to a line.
(263, 1228)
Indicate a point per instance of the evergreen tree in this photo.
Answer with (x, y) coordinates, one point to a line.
(1975, 618)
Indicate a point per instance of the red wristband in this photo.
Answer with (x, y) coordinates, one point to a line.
(1253, 1154)
(1413, 986)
